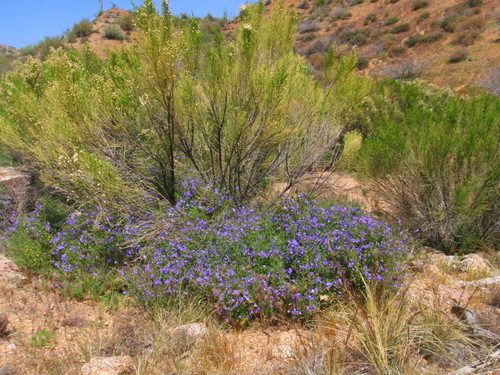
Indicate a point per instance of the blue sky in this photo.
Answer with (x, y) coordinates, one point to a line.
(24, 22)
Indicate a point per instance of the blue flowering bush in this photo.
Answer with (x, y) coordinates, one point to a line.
(246, 261)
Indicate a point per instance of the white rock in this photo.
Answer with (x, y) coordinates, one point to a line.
(123, 365)
(474, 263)
(189, 333)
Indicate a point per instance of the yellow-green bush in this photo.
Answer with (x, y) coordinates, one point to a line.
(133, 123)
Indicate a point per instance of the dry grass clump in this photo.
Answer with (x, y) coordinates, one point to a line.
(382, 332)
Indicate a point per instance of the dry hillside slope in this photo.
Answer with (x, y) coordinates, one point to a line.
(452, 43)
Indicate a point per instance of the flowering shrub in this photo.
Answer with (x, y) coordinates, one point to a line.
(253, 263)
(248, 262)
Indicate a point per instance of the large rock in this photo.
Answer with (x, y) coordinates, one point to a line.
(476, 264)
(13, 191)
(189, 334)
(109, 366)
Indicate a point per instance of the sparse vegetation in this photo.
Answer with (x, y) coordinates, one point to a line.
(82, 28)
(468, 31)
(458, 56)
(391, 21)
(126, 22)
(372, 17)
(401, 28)
(44, 47)
(419, 4)
(423, 16)
(113, 32)
(428, 38)
(309, 26)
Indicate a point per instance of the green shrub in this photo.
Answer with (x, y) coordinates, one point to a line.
(419, 4)
(307, 37)
(304, 4)
(423, 16)
(353, 36)
(401, 28)
(30, 246)
(309, 26)
(71, 37)
(474, 3)
(82, 28)
(44, 47)
(5, 63)
(394, 1)
(434, 157)
(131, 124)
(448, 24)
(429, 38)
(397, 50)
(113, 32)
(126, 22)
(469, 30)
(372, 17)
(391, 21)
(458, 56)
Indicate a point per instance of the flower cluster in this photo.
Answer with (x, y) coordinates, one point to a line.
(247, 261)
(251, 262)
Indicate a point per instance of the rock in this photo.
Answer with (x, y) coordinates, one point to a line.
(109, 366)
(8, 270)
(489, 282)
(475, 263)
(8, 370)
(189, 334)
(283, 351)
(15, 181)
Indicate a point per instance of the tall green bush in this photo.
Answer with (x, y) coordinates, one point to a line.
(83, 28)
(435, 157)
(235, 115)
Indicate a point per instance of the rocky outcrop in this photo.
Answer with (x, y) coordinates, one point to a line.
(13, 190)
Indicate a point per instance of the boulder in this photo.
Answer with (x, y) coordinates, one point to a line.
(189, 334)
(123, 365)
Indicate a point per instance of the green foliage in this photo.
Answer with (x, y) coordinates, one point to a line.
(83, 28)
(391, 21)
(458, 56)
(401, 28)
(128, 125)
(435, 157)
(372, 17)
(30, 247)
(113, 32)
(43, 338)
(423, 16)
(474, 3)
(44, 47)
(126, 22)
(428, 38)
(5, 63)
(354, 36)
(419, 4)
(304, 4)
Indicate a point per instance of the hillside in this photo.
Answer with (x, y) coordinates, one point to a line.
(98, 39)
(7, 56)
(450, 43)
